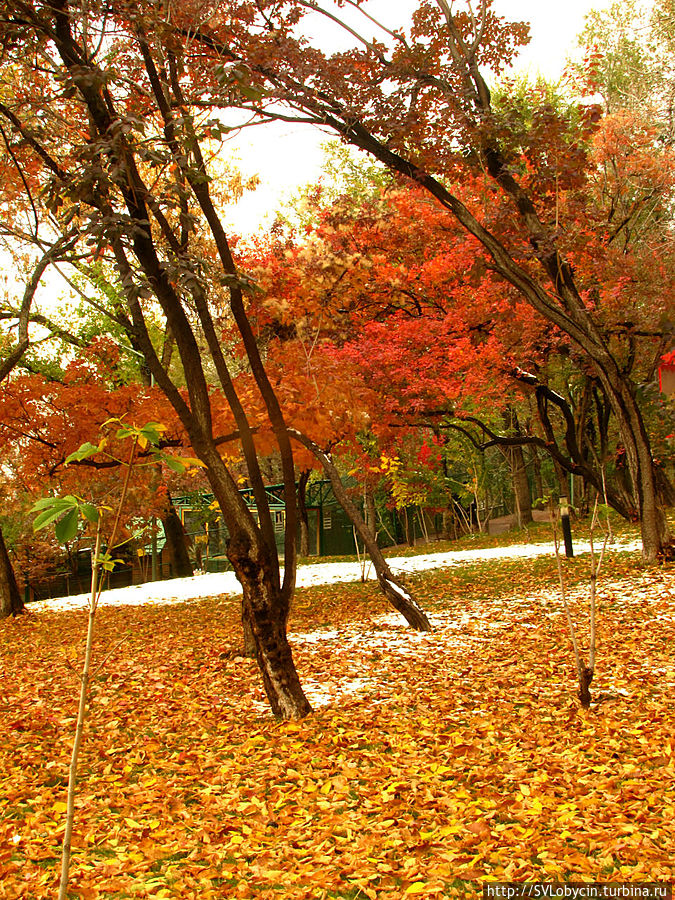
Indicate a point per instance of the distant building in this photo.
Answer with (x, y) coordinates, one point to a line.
(330, 531)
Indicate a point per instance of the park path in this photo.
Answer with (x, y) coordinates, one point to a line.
(177, 590)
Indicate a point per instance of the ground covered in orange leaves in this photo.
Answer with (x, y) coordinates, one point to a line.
(432, 763)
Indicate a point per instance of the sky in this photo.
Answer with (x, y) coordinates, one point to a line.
(286, 157)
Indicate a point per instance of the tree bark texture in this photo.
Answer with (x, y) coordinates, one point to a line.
(371, 512)
(265, 614)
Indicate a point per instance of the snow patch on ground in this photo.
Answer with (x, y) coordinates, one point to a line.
(214, 584)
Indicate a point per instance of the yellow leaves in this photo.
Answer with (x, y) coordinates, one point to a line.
(59, 807)
(480, 828)
(411, 787)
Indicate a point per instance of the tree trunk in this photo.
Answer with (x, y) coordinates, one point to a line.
(393, 590)
(585, 678)
(176, 544)
(11, 601)
(265, 614)
(371, 513)
(516, 460)
(409, 528)
(265, 603)
(521, 486)
(303, 518)
(250, 646)
(538, 480)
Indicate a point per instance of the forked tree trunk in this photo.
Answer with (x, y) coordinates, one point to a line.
(265, 605)
(391, 587)
(147, 260)
(11, 601)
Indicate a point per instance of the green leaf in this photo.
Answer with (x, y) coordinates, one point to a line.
(61, 503)
(43, 503)
(107, 562)
(66, 528)
(50, 508)
(124, 432)
(174, 463)
(90, 512)
(152, 432)
(46, 517)
(84, 452)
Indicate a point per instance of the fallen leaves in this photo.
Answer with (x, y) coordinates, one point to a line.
(453, 758)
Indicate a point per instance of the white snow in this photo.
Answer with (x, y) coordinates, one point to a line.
(213, 584)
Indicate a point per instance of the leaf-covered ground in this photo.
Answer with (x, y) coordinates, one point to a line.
(431, 764)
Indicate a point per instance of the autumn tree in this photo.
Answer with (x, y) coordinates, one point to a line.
(390, 286)
(45, 419)
(420, 104)
(17, 318)
(102, 110)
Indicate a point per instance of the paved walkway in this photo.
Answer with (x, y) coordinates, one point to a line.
(215, 584)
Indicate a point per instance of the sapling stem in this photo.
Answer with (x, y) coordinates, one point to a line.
(81, 717)
(85, 678)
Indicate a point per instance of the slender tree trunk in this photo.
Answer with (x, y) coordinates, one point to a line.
(81, 719)
(303, 518)
(393, 590)
(176, 543)
(11, 601)
(409, 527)
(538, 480)
(521, 486)
(370, 511)
(516, 460)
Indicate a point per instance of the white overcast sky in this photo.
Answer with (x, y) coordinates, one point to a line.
(286, 157)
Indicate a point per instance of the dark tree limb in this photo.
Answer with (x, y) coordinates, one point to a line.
(391, 587)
